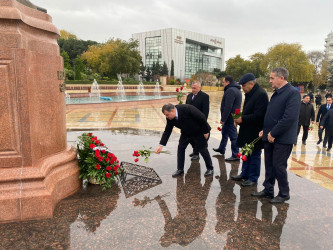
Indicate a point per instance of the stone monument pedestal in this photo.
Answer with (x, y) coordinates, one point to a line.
(37, 166)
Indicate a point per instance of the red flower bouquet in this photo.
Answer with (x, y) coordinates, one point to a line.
(237, 114)
(145, 153)
(180, 94)
(219, 128)
(247, 150)
(96, 162)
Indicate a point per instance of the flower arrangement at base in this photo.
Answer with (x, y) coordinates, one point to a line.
(180, 95)
(310, 127)
(237, 114)
(247, 150)
(96, 162)
(145, 153)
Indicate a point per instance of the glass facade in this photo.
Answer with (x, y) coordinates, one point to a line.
(201, 57)
(153, 50)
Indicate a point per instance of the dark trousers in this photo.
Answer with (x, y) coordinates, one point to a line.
(320, 135)
(201, 146)
(229, 131)
(276, 157)
(193, 146)
(251, 167)
(305, 131)
(330, 140)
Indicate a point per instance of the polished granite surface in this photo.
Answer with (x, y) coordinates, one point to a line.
(190, 211)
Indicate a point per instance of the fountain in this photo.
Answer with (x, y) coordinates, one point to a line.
(140, 91)
(157, 90)
(120, 89)
(67, 98)
(95, 93)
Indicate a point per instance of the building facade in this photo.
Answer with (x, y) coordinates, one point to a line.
(329, 47)
(190, 51)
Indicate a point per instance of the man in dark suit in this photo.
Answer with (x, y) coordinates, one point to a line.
(251, 123)
(305, 115)
(321, 113)
(327, 122)
(200, 100)
(193, 127)
(279, 134)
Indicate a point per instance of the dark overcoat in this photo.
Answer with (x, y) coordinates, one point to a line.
(200, 101)
(253, 114)
(306, 114)
(327, 122)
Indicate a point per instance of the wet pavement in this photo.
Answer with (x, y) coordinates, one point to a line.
(190, 211)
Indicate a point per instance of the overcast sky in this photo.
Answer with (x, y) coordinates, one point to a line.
(248, 26)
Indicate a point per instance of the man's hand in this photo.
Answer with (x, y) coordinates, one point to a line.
(261, 133)
(238, 120)
(321, 127)
(317, 123)
(221, 122)
(158, 149)
(270, 138)
(206, 136)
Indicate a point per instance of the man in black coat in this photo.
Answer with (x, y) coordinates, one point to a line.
(200, 100)
(232, 100)
(279, 134)
(305, 115)
(327, 122)
(193, 127)
(318, 100)
(321, 113)
(251, 123)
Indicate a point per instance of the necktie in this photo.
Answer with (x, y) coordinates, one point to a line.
(328, 107)
(193, 97)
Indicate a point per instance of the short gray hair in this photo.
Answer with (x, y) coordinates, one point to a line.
(281, 72)
(167, 107)
(199, 83)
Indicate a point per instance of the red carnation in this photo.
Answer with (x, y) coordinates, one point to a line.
(108, 168)
(102, 144)
(116, 173)
(108, 175)
(98, 166)
(177, 89)
(115, 168)
(100, 158)
(244, 158)
(136, 160)
(97, 142)
(109, 155)
(103, 151)
(239, 155)
(107, 159)
(90, 134)
(237, 111)
(92, 146)
(181, 88)
(97, 154)
(219, 129)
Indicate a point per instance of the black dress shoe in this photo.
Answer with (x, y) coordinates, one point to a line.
(279, 199)
(248, 183)
(232, 159)
(328, 149)
(190, 155)
(303, 142)
(318, 142)
(262, 194)
(238, 177)
(209, 172)
(217, 150)
(324, 146)
(195, 158)
(178, 173)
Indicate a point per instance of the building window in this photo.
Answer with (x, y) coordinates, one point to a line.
(153, 50)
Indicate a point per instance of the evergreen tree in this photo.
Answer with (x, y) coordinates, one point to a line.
(153, 69)
(172, 71)
(165, 70)
(142, 69)
(148, 74)
(158, 68)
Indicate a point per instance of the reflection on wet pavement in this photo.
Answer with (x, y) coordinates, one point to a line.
(190, 211)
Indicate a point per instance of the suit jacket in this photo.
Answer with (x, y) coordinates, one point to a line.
(322, 112)
(200, 101)
(327, 122)
(306, 114)
(191, 122)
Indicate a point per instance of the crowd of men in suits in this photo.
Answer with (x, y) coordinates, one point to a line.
(276, 121)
